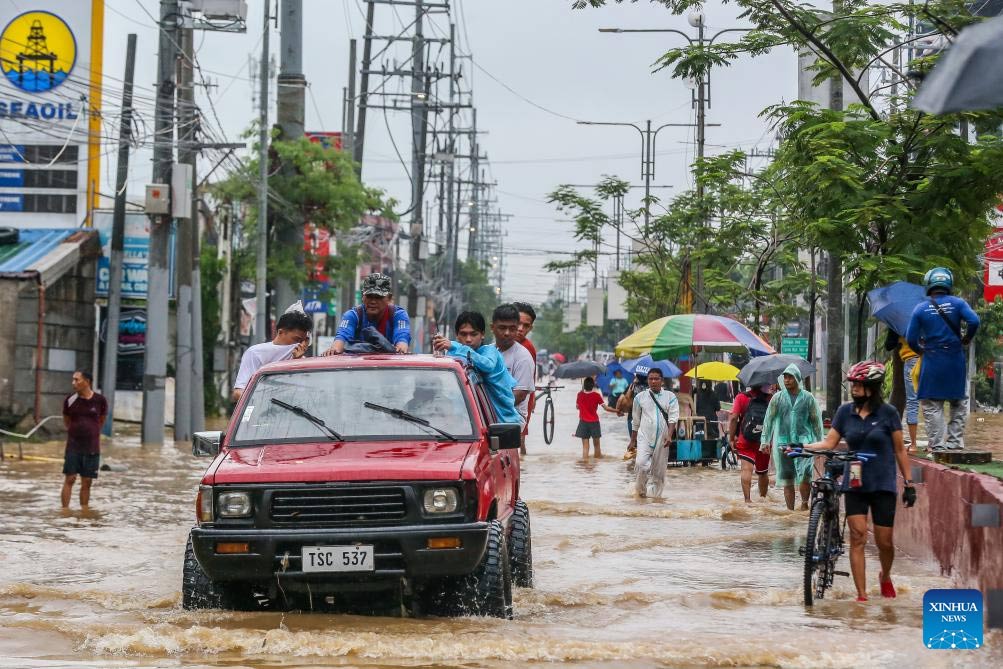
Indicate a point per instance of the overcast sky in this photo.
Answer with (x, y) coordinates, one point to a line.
(541, 49)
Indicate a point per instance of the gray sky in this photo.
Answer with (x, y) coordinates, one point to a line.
(541, 49)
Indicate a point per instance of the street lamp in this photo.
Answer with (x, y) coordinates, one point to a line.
(702, 93)
(648, 137)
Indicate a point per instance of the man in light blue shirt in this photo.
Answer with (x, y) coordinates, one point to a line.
(487, 360)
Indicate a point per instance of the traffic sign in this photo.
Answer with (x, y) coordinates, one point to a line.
(795, 346)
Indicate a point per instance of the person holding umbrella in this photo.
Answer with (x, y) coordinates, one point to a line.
(792, 417)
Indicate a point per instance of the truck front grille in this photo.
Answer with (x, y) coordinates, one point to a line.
(339, 506)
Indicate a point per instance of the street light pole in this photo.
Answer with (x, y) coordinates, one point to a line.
(696, 19)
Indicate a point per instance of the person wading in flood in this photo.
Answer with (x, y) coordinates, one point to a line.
(84, 412)
(792, 417)
(871, 426)
(654, 414)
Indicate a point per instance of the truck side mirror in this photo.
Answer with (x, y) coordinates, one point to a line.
(505, 436)
(206, 444)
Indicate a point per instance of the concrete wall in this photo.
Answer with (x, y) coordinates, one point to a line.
(8, 307)
(939, 527)
(68, 340)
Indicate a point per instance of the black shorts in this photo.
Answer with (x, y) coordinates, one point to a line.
(588, 430)
(83, 464)
(881, 504)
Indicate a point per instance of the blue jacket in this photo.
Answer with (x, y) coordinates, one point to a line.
(943, 373)
(397, 330)
(498, 382)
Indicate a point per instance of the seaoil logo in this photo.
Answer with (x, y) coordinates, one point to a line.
(37, 51)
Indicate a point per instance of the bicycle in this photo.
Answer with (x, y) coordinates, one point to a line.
(548, 411)
(824, 540)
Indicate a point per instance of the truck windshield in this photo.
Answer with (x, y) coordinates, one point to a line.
(338, 397)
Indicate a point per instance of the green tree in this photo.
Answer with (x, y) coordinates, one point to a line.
(888, 190)
(307, 183)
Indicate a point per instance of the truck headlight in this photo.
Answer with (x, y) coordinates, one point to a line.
(441, 500)
(203, 505)
(233, 504)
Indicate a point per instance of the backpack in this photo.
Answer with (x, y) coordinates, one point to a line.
(360, 312)
(752, 419)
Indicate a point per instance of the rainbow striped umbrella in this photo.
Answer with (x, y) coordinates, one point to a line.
(683, 334)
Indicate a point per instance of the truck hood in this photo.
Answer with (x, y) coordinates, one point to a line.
(347, 461)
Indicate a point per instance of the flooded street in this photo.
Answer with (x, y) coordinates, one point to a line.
(698, 579)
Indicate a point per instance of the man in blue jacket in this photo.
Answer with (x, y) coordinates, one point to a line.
(377, 311)
(488, 360)
(935, 332)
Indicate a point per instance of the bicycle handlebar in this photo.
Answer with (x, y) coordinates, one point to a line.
(549, 387)
(799, 451)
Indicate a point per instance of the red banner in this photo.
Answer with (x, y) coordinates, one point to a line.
(316, 247)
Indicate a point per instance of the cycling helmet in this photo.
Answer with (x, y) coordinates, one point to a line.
(868, 371)
(938, 277)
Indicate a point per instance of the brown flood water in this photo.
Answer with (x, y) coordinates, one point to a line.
(696, 580)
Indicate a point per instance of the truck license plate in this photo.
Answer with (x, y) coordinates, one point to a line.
(338, 558)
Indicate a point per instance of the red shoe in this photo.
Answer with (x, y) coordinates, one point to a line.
(887, 589)
(861, 599)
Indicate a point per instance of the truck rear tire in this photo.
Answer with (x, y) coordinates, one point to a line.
(521, 547)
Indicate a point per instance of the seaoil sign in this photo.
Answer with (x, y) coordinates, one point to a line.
(37, 54)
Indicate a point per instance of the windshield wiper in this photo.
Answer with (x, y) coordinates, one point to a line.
(300, 411)
(411, 418)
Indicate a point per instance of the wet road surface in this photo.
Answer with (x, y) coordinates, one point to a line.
(699, 579)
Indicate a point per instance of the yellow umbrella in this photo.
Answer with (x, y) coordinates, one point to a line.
(714, 371)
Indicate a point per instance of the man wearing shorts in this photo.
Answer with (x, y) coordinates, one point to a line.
(84, 413)
(746, 445)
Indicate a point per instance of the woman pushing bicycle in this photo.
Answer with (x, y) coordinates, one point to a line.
(872, 428)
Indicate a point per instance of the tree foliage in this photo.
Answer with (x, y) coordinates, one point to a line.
(889, 190)
(307, 183)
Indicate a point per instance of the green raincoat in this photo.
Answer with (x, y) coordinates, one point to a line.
(792, 420)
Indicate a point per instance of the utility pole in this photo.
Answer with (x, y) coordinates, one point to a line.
(110, 369)
(261, 269)
(475, 176)
(347, 297)
(359, 138)
(157, 321)
(183, 245)
(290, 98)
(834, 282)
(700, 303)
(419, 113)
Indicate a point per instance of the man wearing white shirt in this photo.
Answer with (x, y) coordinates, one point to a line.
(292, 338)
(520, 364)
(654, 416)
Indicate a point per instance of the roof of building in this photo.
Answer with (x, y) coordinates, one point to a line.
(47, 252)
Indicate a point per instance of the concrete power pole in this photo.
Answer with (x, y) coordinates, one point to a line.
(157, 321)
(110, 369)
(419, 112)
(261, 266)
(290, 98)
(834, 281)
(183, 241)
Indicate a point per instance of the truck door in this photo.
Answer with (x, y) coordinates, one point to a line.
(504, 464)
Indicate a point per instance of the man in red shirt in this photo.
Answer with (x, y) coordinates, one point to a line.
(527, 317)
(745, 427)
(84, 413)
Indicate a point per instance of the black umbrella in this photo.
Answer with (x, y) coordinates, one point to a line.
(968, 76)
(766, 368)
(579, 369)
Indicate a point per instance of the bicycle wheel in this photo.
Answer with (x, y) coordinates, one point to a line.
(816, 553)
(548, 420)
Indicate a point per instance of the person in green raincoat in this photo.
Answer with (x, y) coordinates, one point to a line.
(793, 417)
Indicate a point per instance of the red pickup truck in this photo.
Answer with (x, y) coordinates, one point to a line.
(345, 476)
